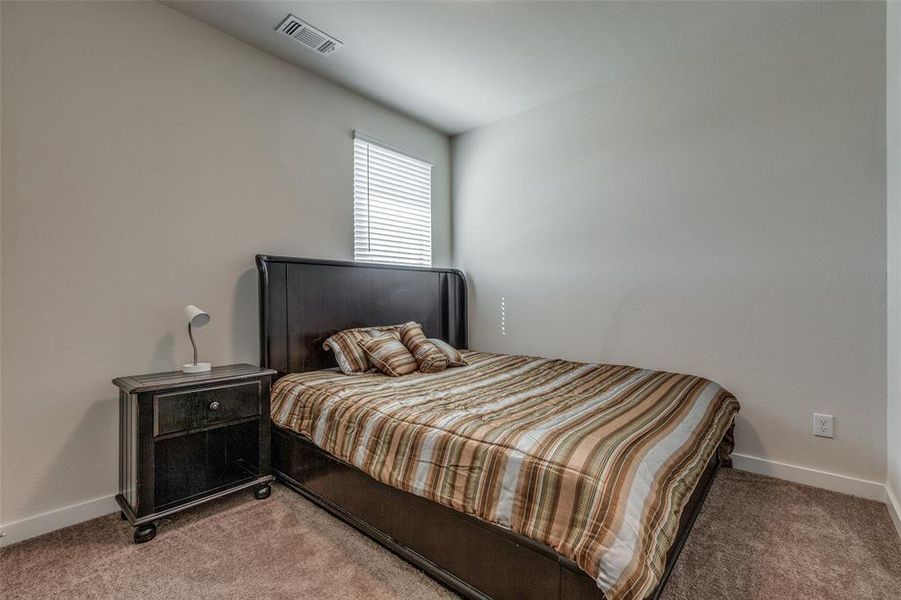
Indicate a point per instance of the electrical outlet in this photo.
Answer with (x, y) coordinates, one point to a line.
(822, 425)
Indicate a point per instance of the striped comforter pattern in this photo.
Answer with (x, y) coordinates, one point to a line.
(595, 461)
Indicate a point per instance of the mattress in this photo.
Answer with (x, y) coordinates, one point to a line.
(595, 461)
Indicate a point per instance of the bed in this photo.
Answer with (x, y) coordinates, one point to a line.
(512, 477)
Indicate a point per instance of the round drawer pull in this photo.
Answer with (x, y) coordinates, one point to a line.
(214, 406)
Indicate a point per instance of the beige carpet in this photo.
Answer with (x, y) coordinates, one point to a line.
(757, 538)
(762, 538)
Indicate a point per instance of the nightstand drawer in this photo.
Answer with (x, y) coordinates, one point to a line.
(198, 408)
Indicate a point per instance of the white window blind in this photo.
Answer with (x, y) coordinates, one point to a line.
(392, 205)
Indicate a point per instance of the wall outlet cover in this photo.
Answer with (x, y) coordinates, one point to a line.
(822, 425)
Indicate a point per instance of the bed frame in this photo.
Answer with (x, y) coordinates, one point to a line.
(302, 302)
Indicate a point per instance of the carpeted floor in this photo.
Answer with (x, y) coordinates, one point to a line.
(757, 538)
(760, 538)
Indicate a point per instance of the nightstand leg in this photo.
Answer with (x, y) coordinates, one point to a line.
(262, 492)
(145, 533)
(122, 516)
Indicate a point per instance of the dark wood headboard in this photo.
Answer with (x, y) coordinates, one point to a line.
(303, 301)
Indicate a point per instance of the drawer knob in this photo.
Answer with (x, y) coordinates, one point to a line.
(214, 406)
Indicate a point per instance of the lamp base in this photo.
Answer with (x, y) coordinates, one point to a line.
(195, 368)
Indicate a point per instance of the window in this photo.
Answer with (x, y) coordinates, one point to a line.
(392, 205)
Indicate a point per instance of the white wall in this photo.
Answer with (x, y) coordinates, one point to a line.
(1, 264)
(724, 217)
(146, 159)
(893, 195)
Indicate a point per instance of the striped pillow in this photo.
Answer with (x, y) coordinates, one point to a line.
(454, 356)
(350, 356)
(429, 357)
(388, 354)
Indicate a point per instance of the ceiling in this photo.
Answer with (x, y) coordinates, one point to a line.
(461, 65)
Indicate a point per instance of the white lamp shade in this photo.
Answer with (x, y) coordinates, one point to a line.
(196, 317)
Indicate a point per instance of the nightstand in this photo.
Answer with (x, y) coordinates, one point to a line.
(186, 438)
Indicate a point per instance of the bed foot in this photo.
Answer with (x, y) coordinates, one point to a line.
(144, 533)
(261, 492)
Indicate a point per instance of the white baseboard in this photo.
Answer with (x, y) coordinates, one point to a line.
(894, 507)
(862, 488)
(16, 531)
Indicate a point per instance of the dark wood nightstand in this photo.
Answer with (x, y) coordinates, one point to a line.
(186, 438)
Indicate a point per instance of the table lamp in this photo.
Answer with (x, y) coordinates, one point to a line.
(199, 319)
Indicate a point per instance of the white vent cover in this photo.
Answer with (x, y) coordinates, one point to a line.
(304, 33)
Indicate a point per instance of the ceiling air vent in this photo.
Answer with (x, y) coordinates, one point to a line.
(304, 33)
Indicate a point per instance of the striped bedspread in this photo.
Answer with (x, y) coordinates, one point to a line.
(595, 461)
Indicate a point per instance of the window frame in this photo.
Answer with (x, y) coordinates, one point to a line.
(392, 198)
